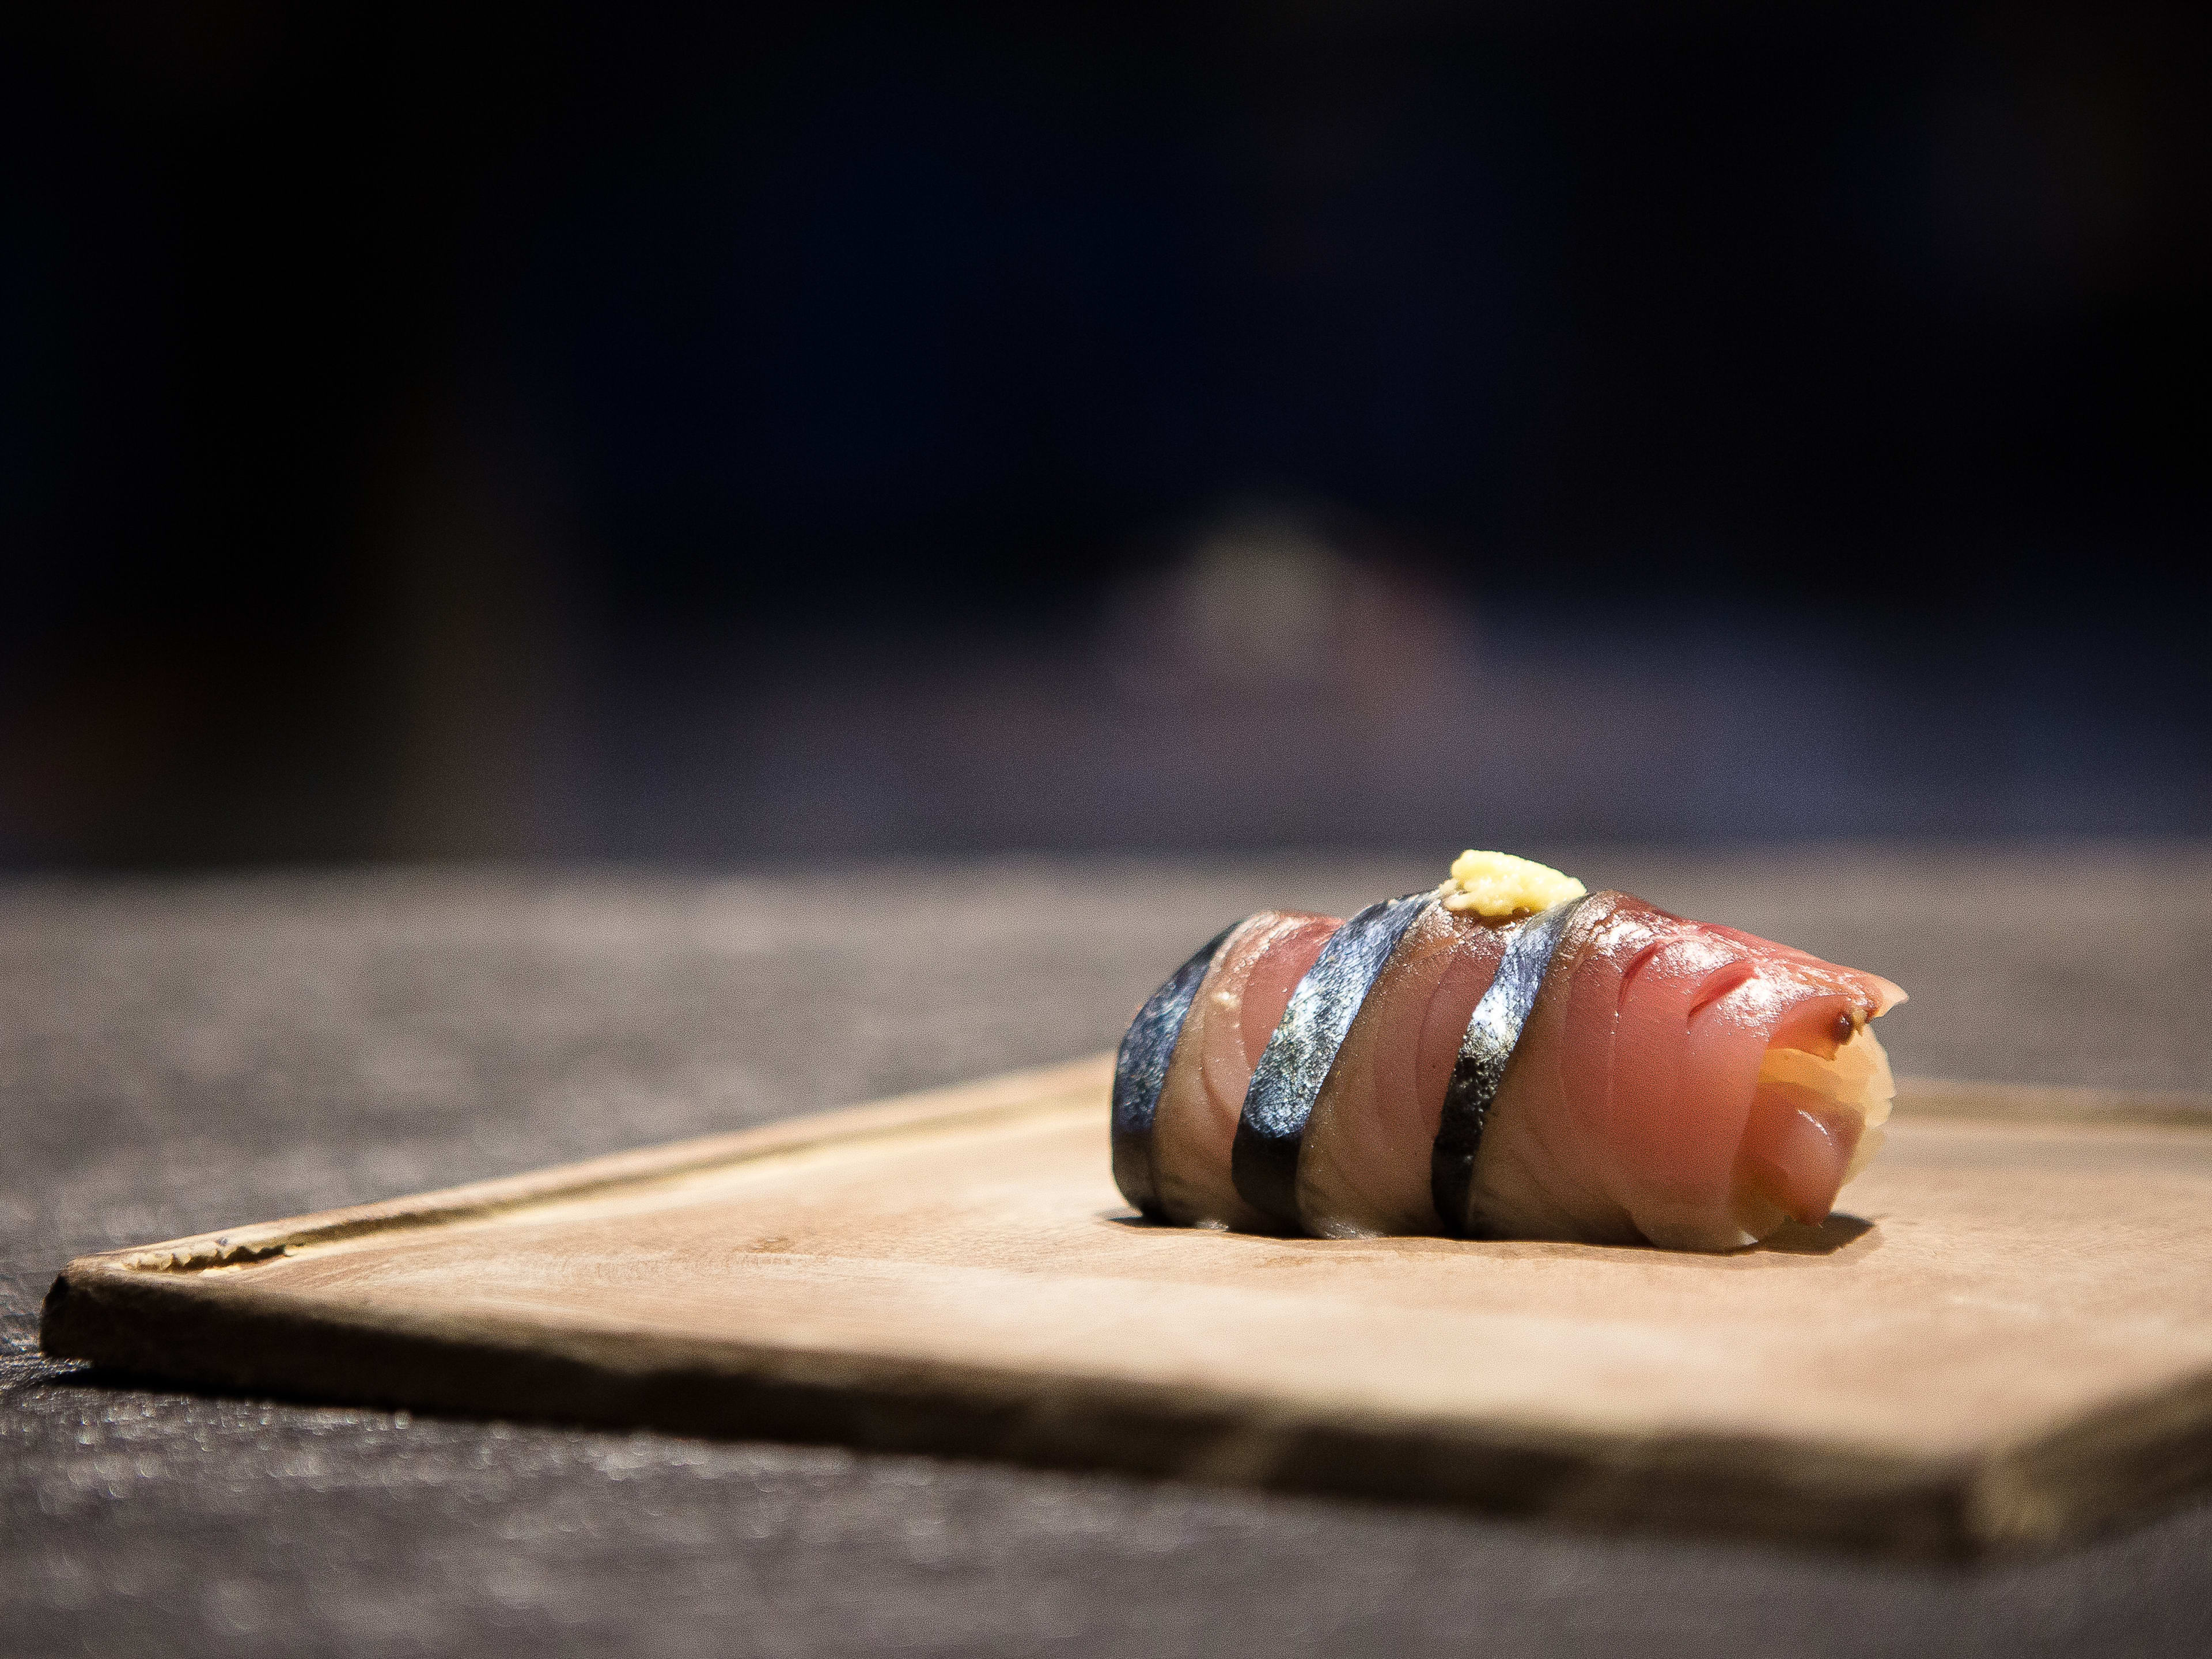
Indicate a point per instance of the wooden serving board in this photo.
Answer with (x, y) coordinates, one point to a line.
(2014, 1344)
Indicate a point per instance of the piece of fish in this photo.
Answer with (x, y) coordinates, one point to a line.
(1364, 1165)
(1604, 1072)
(1681, 1083)
(1302, 1052)
(1140, 1071)
(1236, 1010)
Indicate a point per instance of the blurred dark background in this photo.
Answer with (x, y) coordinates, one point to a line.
(680, 432)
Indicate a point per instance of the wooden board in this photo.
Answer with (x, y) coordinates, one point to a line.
(2008, 1341)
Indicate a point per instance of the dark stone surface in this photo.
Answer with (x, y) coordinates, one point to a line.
(179, 1055)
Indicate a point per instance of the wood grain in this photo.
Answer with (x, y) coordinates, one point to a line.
(2005, 1343)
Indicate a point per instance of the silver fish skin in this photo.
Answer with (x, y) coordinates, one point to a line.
(1140, 1069)
(1494, 1034)
(1264, 1160)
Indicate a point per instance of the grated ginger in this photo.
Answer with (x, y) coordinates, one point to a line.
(1500, 885)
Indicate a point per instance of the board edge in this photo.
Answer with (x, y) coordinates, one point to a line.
(145, 1311)
(1011, 1094)
(242, 1340)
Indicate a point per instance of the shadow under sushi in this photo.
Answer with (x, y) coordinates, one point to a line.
(1838, 1232)
(1796, 1238)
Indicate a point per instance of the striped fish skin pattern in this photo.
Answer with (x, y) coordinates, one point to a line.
(1140, 1069)
(1494, 1031)
(1288, 1078)
(1442, 1127)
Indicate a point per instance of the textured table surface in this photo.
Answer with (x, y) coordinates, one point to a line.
(181, 1055)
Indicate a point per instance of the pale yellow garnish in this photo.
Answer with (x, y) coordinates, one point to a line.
(1499, 884)
(1856, 1082)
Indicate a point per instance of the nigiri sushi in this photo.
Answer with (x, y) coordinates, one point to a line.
(1506, 1056)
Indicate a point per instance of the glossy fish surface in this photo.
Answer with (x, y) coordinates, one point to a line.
(1603, 1071)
